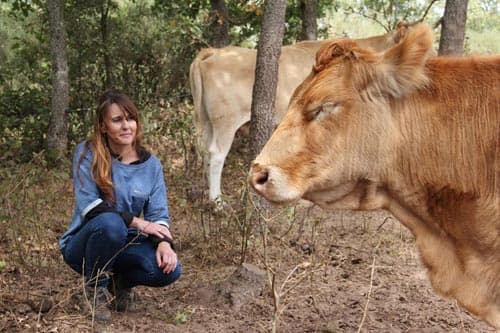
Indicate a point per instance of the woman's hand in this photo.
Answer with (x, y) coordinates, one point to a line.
(150, 228)
(166, 258)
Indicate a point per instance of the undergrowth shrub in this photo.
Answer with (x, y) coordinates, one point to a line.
(36, 208)
(24, 122)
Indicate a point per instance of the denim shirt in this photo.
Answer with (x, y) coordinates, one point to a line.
(138, 188)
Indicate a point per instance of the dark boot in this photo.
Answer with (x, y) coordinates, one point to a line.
(96, 302)
(125, 299)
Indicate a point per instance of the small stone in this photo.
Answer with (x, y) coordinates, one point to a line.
(356, 261)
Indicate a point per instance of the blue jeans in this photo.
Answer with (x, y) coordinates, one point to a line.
(103, 245)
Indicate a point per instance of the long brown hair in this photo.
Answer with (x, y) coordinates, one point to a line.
(102, 160)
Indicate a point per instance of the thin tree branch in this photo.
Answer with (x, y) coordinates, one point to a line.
(427, 10)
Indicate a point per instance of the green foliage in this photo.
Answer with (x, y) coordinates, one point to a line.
(244, 18)
(294, 22)
(146, 62)
(476, 12)
(485, 42)
(388, 13)
(21, 7)
(24, 52)
(24, 87)
(135, 44)
(182, 317)
(23, 123)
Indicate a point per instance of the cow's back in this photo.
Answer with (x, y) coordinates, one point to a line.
(228, 75)
(220, 79)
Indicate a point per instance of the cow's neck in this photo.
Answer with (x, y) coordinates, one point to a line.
(445, 141)
(442, 186)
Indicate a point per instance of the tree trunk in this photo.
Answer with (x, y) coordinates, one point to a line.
(57, 136)
(309, 12)
(266, 74)
(220, 24)
(264, 90)
(108, 79)
(453, 28)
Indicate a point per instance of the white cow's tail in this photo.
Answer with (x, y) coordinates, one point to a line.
(201, 120)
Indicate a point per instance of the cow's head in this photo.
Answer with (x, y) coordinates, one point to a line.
(339, 131)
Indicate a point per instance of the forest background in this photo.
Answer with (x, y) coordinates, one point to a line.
(143, 47)
(146, 47)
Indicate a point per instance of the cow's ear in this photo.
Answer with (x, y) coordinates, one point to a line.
(401, 31)
(333, 51)
(402, 67)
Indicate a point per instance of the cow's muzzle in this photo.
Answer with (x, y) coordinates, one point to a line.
(258, 177)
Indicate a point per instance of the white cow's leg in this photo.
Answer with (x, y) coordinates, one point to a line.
(219, 148)
(215, 173)
(223, 132)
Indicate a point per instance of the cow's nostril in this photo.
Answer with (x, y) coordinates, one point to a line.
(261, 177)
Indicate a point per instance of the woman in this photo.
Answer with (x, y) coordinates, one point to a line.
(116, 181)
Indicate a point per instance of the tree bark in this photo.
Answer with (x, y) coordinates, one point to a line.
(57, 136)
(266, 74)
(453, 28)
(220, 24)
(309, 13)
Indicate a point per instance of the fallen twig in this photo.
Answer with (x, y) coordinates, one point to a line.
(369, 291)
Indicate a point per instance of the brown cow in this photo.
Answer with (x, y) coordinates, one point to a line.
(400, 131)
(222, 82)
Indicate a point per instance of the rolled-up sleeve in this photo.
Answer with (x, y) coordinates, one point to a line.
(156, 209)
(87, 195)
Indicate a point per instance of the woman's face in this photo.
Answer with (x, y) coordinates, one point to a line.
(120, 129)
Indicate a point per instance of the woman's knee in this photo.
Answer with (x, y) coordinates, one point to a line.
(176, 274)
(110, 227)
(169, 278)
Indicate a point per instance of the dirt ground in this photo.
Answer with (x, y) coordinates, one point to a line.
(363, 272)
(333, 272)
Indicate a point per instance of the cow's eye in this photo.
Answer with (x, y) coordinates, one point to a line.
(324, 110)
